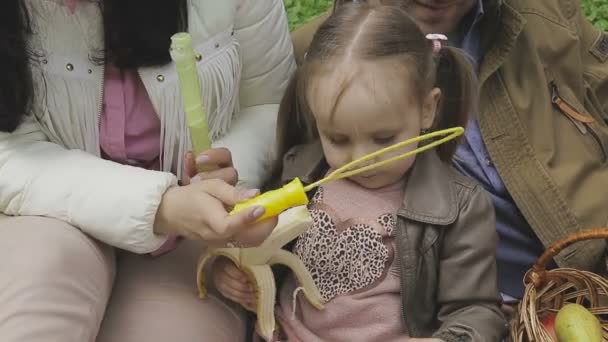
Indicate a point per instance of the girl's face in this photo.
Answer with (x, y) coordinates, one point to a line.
(374, 106)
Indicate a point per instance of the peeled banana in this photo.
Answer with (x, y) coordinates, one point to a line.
(256, 262)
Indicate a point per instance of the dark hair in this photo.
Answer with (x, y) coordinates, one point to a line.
(16, 88)
(137, 34)
(376, 30)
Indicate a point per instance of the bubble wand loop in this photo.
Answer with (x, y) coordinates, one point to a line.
(344, 173)
(294, 193)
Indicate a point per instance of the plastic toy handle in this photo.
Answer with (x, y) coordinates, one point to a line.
(182, 53)
(276, 201)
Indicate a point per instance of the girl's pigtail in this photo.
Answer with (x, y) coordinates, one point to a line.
(460, 94)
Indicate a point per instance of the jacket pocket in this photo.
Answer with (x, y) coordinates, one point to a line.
(584, 122)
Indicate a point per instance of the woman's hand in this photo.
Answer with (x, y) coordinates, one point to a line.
(200, 211)
(233, 283)
(217, 160)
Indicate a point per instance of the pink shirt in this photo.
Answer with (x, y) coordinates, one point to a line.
(129, 128)
(350, 253)
(129, 131)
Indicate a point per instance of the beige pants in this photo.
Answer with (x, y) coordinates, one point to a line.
(56, 285)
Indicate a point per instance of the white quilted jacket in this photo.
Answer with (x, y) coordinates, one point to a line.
(51, 167)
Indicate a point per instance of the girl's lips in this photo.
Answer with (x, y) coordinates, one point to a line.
(434, 5)
(367, 176)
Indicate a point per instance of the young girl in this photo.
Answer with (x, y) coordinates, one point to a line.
(405, 252)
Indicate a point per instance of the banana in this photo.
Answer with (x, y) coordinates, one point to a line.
(256, 262)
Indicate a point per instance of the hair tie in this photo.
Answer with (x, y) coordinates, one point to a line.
(437, 39)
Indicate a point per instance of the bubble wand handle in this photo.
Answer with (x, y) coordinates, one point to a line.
(294, 193)
(182, 53)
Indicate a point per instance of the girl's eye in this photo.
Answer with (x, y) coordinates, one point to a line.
(384, 140)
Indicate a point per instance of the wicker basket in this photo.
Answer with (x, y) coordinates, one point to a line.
(548, 291)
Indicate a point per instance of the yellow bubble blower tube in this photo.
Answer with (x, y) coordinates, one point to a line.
(294, 193)
(182, 53)
(289, 202)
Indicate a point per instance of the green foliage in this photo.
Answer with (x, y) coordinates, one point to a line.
(300, 11)
(597, 12)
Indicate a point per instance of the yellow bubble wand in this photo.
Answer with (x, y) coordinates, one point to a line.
(293, 194)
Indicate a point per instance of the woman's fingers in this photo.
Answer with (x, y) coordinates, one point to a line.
(227, 225)
(216, 162)
(216, 223)
(256, 234)
(226, 193)
(227, 174)
(189, 168)
(209, 219)
(216, 157)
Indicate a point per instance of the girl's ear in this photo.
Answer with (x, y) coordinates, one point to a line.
(430, 107)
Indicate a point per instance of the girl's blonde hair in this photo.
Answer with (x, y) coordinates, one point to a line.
(375, 30)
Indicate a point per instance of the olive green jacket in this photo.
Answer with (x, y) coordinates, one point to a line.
(543, 112)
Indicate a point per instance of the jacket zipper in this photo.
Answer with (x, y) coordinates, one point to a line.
(398, 235)
(581, 121)
(100, 109)
(100, 103)
(103, 84)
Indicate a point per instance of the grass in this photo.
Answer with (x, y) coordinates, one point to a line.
(300, 11)
(597, 12)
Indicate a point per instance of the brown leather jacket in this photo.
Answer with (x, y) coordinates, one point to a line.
(446, 241)
(542, 115)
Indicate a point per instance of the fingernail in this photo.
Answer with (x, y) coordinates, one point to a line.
(251, 193)
(257, 212)
(202, 159)
(195, 179)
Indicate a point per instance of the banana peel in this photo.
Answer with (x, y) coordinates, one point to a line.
(256, 263)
